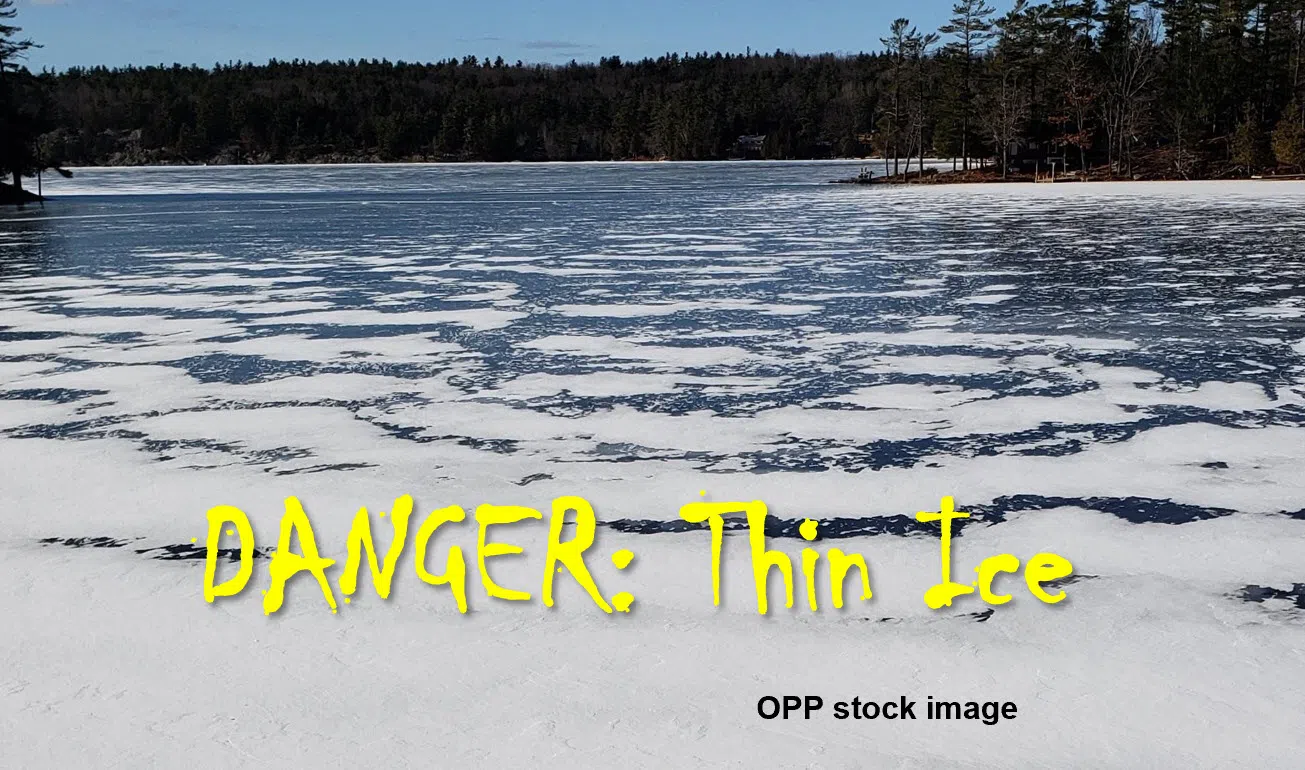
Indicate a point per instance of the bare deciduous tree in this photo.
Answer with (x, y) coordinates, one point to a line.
(1131, 67)
(1003, 109)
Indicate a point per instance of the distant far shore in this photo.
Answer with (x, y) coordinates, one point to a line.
(935, 171)
(991, 175)
(376, 161)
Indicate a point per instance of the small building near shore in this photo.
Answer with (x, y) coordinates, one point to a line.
(750, 146)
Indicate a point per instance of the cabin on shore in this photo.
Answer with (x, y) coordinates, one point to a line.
(1045, 161)
(750, 147)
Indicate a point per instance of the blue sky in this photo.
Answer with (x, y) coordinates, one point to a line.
(112, 32)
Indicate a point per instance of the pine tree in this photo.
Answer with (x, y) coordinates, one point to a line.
(918, 47)
(12, 48)
(20, 117)
(897, 47)
(971, 25)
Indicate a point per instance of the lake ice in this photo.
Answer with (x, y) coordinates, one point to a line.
(1113, 372)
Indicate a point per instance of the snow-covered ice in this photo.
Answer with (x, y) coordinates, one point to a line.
(1115, 373)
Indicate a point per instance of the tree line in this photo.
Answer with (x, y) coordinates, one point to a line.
(1180, 88)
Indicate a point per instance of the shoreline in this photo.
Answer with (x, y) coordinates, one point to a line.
(504, 163)
(243, 179)
(933, 176)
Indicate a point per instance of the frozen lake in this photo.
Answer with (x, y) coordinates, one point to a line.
(1113, 372)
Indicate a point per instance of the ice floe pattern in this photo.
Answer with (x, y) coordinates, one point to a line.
(1087, 342)
(1114, 372)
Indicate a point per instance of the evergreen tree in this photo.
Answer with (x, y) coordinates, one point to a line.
(894, 123)
(21, 115)
(12, 48)
(1289, 138)
(971, 26)
(1250, 146)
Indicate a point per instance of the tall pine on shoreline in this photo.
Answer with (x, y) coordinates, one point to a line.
(26, 110)
(19, 125)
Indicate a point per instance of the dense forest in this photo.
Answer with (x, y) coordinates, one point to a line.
(1181, 88)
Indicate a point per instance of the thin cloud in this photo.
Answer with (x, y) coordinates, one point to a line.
(557, 45)
(153, 13)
